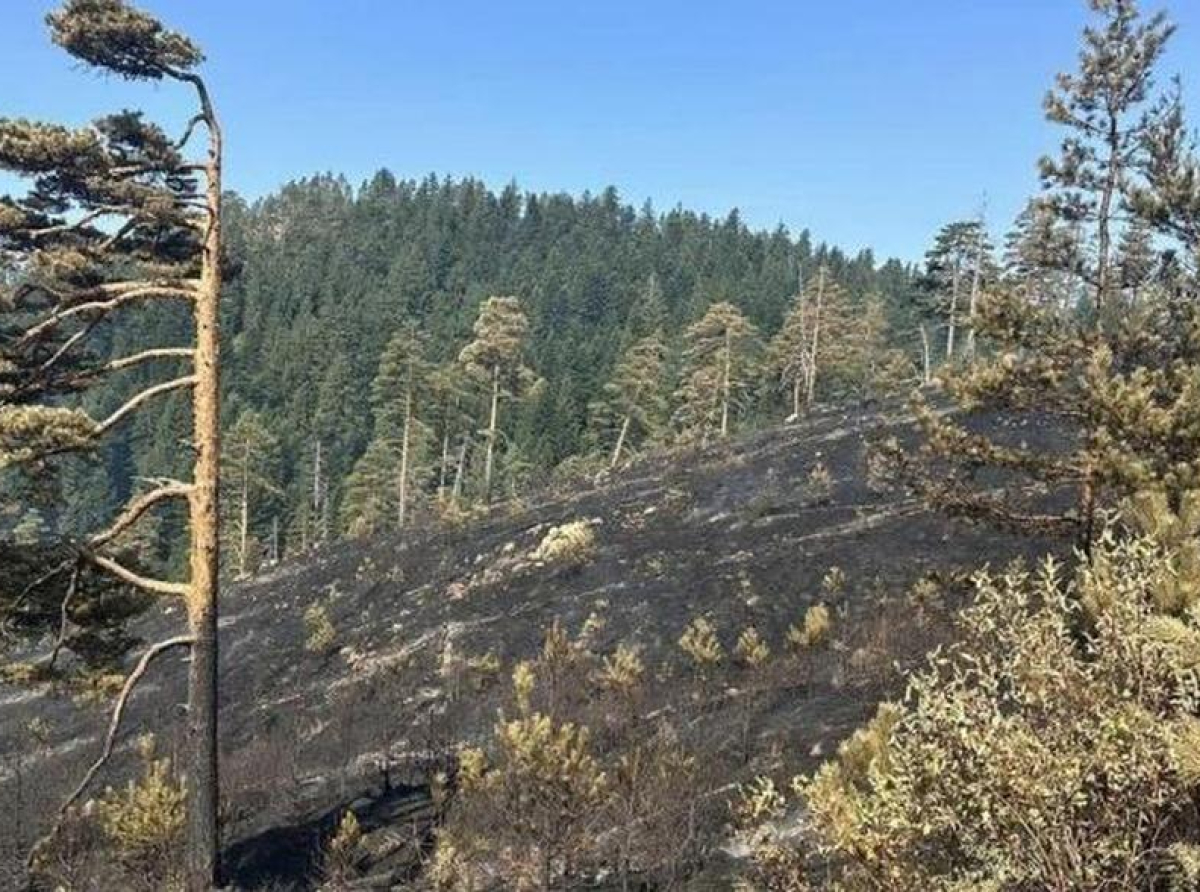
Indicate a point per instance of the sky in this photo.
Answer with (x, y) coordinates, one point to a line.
(869, 122)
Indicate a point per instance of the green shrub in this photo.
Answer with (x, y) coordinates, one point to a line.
(570, 545)
(1054, 747)
(813, 631)
(144, 821)
(321, 634)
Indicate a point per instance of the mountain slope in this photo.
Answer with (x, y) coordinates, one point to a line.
(742, 533)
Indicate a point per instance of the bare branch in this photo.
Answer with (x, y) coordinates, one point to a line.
(147, 292)
(68, 344)
(79, 224)
(148, 393)
(187, 133)
(64, 617)
(145, 583)
(114, 725)
(138, 507)
(146, 355)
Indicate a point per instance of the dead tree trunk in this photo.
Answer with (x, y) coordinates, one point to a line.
(460, 471)
(203, 778)
(952, 321)
(402, 510)
(616, 456)
(489, 460)
(926, 358)
(244, 515)
(814, 352)
(973, 306)
(725, 383)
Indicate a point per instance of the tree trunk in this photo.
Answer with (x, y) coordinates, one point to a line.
(491, 438)
(403, 508)
(456, 493)
(200, 757)
(316, 496)
(244, 516)
(926, 362)
(444, 466)
(952, 321)
(725, 384)
(616, 456)
(811, 390)
(1104, 216)
(974, 301)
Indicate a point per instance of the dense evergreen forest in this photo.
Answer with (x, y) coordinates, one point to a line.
(322, 275)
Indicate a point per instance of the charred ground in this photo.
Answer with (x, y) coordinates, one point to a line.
(744, 534)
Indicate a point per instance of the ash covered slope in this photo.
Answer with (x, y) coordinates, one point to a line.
(738, 533)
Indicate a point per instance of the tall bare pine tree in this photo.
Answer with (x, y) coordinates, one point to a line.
(118, 218)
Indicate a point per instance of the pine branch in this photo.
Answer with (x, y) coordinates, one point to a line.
(145, 583)
(138, 507)
(132, 404)
(147, 355)
(103, 307)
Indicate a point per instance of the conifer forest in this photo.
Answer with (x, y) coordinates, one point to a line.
(423, 531)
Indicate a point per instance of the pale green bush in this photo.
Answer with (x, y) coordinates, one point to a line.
(1054, 747)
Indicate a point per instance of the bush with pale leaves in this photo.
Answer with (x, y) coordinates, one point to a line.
(1056, 746)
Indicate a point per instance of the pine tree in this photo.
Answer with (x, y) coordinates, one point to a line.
(250, 459)
(719, 371)
(451, 422)
(379, 490)
(633, 403)
(814, 340)
(1041, 254)
(649, 314)
(956, 269)
(1102, 108)
(119, 218)
(496, 356)
(1114, 382)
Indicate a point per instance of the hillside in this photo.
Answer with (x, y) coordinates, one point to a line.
(738, 533)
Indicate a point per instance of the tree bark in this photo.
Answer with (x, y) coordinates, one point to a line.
(444, 466)
(460, 470)
(318, 509)
(491, 438)
(616, 456)
(402, 510)
(952, 321)
(1104, 215)
(926, 363)
(725, 384)
(200, 758)
(974, 300)
(244, 516)
(811, 390)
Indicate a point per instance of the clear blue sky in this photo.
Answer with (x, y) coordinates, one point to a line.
(869, 121)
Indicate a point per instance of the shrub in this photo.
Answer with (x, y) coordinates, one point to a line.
(834, 581)
(144, 821)
(526, 811)
(819, 483)
(814, 630)
(622, 672)
(751, 650)
(570, 545)
(321, 635)
(1053, 747)
(339, 862)
(699, 641)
